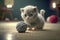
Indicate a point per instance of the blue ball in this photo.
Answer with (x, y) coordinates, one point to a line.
(21, 27)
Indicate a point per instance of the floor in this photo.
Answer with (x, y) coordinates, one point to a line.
(50, 31)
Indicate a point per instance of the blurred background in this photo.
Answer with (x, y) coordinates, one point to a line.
(10, 9)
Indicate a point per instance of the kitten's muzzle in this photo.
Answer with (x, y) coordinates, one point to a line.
(27, 17)
(30, 15)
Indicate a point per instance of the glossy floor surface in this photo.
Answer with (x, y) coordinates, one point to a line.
(8, 32)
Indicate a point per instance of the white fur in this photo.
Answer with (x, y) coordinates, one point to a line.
(42, 12)
(36, 18)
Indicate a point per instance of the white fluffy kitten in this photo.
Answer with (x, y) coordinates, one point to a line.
(32, 17)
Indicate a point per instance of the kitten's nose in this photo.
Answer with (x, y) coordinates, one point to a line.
(27, 17)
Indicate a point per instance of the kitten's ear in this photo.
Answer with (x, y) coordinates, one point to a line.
(35, 8)
(22, 9)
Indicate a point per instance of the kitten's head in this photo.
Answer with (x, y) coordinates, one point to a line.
(29, 13)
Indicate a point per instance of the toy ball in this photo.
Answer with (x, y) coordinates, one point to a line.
(53, 19)
(21, 27)
(48, 19)
(7, 19)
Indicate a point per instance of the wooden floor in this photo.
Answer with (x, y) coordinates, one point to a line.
(50, 31)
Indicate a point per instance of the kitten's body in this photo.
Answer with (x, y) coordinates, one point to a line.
(32, 17)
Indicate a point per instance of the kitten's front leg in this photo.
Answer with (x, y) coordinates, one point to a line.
(39, 27)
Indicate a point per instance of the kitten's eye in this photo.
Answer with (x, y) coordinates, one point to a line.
(31, 15)
(25, 15)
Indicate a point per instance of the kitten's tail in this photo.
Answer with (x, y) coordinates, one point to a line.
(42, 12)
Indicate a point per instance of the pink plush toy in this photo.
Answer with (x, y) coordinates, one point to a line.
(53, 19)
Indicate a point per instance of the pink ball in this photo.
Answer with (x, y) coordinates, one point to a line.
(48, 19)
(53, 19)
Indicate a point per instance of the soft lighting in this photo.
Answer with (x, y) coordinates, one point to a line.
(28, 28)
(9, 37)
(9, 6)
(54, 5)
(33, 28)
(9, 3)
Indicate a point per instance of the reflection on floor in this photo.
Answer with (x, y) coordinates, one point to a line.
(50, 32)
